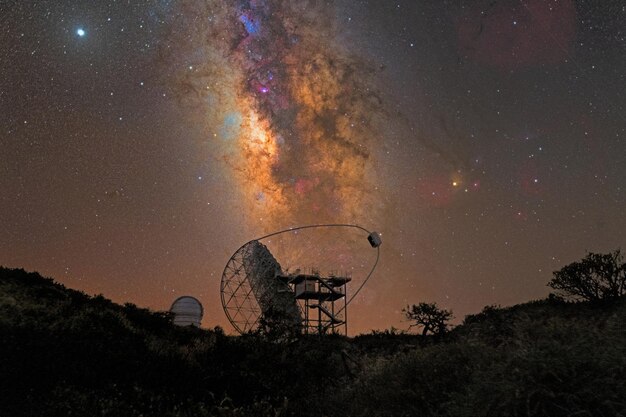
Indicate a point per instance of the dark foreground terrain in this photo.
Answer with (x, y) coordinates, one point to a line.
(63, 353)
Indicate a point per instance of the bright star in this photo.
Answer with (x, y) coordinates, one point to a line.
(80, 32)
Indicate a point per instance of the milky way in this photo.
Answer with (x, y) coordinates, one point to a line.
(290, 112)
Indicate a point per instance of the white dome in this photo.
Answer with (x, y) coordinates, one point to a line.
(187, 311)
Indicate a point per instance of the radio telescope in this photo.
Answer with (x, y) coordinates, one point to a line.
(255, 286)
(250, 288)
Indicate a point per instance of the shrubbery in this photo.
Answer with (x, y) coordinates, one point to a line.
(65, 353)
(594, 278)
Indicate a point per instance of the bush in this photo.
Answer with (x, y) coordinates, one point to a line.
(429, 317)
(596, 277)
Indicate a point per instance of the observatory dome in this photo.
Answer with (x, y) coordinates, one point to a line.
(187, 311)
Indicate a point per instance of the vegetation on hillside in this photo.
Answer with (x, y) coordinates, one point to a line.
(596, 277)
(65, 353)
(430, 318)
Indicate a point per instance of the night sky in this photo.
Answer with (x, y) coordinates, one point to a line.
(143, 142)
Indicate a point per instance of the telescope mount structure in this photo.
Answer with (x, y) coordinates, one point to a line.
(256, 291)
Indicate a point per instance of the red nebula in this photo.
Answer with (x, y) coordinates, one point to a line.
(512, 35)
(304, 185)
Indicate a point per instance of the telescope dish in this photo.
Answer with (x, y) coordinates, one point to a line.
(250, 288)
(256, 291)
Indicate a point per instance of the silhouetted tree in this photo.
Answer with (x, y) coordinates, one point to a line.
(429, 317)
(595, 277)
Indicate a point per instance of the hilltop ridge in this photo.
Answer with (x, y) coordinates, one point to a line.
(63, 352)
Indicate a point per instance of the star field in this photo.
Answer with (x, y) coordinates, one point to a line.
(142, 143)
